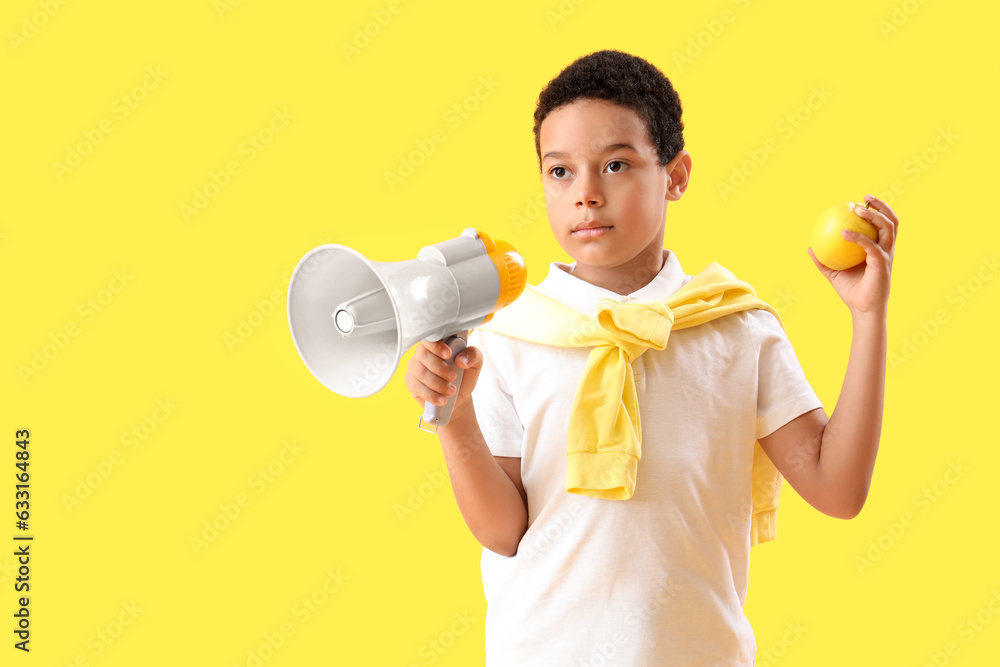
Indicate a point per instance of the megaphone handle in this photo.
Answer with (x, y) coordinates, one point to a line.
(439, 415)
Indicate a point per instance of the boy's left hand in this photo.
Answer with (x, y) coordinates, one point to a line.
(865, 287)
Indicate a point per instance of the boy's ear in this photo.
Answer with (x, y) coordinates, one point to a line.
(678, 175)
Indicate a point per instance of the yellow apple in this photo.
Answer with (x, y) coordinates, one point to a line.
(830, 247)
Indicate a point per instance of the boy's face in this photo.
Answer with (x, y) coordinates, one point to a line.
(600, 169)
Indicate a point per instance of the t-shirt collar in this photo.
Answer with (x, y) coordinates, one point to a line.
(563, 286)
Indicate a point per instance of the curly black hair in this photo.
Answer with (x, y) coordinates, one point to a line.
(625, 80)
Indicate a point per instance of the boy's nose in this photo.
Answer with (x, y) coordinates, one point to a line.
(588, 192)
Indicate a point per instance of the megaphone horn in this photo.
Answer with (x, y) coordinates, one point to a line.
(352, 319)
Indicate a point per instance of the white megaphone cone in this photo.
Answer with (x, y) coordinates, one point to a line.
(352, 319)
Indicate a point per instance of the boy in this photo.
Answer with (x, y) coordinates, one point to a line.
(658, 574)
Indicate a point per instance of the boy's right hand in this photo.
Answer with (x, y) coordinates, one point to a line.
(429, 377)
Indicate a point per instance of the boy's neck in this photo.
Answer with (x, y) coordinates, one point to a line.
(627, 278)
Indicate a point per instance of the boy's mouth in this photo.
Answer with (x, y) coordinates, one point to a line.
(590, 229)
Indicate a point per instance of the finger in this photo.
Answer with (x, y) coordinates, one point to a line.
(438, 348)
(882, 208)
(414, 388)
(428, 377)
(871, 248)
(436, 365)
(886, 231)
(436, 382)
(429, 387)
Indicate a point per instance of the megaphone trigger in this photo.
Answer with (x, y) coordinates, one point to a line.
(440, 415)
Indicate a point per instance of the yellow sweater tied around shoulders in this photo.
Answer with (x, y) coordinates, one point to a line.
(605, 433)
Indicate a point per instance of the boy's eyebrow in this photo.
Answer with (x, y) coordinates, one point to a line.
(607, 149)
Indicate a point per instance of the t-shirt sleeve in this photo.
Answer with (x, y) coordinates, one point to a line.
(498, 419)
(783, 393)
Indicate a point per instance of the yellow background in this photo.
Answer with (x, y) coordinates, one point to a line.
(326, 527)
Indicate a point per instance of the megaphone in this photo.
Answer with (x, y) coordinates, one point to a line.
(352, 319)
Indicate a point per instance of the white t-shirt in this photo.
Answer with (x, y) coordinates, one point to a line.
(661, 578)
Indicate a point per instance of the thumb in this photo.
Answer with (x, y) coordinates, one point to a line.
(824, 269)
(471, 361)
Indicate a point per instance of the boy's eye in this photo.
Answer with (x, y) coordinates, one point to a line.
(621, 166)
(615, 167)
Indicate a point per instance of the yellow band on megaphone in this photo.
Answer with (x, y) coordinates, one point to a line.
(510, 268)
